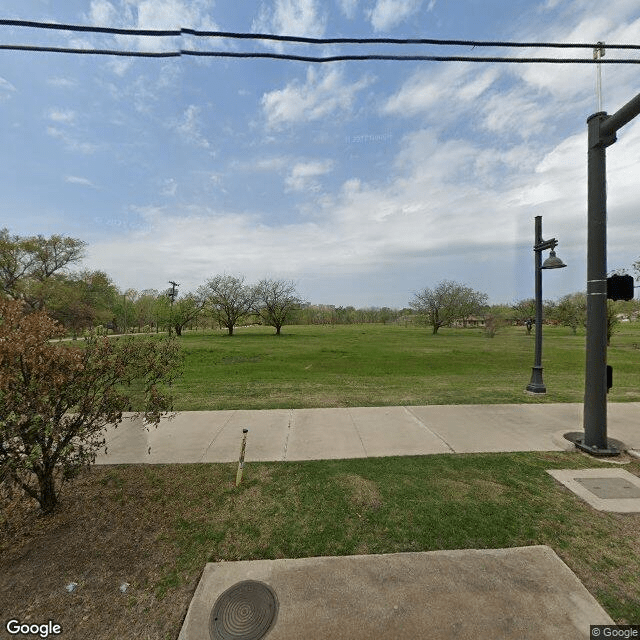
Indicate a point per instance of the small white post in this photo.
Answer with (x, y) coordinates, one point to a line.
(241, 461)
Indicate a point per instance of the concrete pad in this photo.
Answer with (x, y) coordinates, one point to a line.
(267, 438)
(596, 493)
(394, 431)
(318, 434)
(495, 428)
(511, 594)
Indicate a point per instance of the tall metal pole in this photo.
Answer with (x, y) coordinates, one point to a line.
(602, 130)
(536, 385)
(595, 392)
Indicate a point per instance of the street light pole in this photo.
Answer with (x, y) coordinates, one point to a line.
(536, 385)
(602, 130)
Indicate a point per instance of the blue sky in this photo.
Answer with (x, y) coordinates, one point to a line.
(364, 182)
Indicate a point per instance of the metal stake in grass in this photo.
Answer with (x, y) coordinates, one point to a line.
(241, 461)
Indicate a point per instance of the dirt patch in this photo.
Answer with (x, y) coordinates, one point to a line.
(363, 493)
(103, 536)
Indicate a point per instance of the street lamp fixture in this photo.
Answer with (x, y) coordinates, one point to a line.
(536, 385)
(553, 262)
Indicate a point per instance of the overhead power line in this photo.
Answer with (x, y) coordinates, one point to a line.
(300, 58)
(305, 40)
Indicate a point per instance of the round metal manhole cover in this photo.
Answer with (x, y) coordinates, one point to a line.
(245, 611)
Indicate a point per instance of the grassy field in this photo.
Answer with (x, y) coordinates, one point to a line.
(375, 365)
(156, 526)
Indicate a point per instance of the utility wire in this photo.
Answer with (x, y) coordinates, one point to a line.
(319, 59)
(303, 58)
(304, 40)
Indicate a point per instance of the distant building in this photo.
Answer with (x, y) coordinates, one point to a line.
(470, 321)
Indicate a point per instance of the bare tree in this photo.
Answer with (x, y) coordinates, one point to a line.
(275, 301)
(448, 302)
(228, 299)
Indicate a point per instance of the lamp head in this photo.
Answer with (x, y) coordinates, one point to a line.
(553, 262)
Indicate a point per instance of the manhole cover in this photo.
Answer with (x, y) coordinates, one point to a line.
(245, 611)
(610, 488)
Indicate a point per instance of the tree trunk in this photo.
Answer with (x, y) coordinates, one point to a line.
(230, 327)
(178, 330)
(278, 327)
(435, 328)
(47, 493)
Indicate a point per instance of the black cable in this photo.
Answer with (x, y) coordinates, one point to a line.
(305, 40)
(283, 56)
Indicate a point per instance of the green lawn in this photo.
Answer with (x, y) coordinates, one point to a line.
(155, 526)
(375, 365)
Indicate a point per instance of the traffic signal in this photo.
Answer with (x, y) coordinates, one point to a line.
(620, 288)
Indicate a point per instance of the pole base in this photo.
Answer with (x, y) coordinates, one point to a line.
(593, 450)
(536, 385)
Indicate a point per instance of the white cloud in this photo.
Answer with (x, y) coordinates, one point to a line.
(292, 18)
(387, 14)
(189, 127)
(454, 85)
(62, 116)
(71, 142)
(301, 177)
(150, 14)
(103, 13)
(6, 89)
(516, 112)
(348, 8)
(62, 83)
(321, 95)
(276, 163)
(85, 182)
(169, 188)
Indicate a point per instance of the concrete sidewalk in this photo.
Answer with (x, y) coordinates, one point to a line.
(359, 432)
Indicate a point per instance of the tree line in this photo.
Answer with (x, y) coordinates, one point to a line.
(36, 270)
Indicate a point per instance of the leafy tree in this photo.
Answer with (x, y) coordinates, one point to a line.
(27, 263)
(571, 310)
(186, 310)
(143, 308)
(228, 299)
(612, 319)
(56, 399)
(275, 302)
(448, 302)
(496, 317)
(81, 300)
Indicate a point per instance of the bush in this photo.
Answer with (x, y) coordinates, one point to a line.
(56, 399)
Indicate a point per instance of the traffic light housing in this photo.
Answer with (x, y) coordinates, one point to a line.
(620, 288)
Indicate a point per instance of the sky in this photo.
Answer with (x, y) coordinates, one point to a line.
(363, 181)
